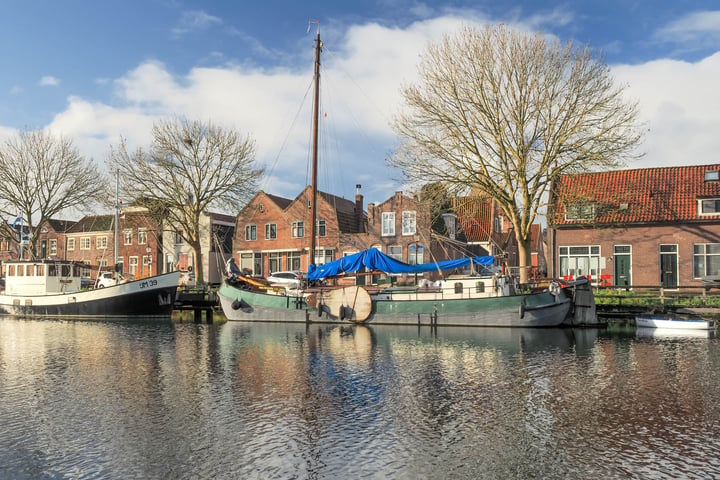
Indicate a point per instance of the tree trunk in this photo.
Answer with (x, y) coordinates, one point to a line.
(524, 258)
(199, 276)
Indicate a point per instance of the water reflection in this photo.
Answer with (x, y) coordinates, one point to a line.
(173, 400)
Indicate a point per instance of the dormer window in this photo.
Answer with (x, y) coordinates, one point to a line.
(709, 206)
(712, 175)
(580, 211)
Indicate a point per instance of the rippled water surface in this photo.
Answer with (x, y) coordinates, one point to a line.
(234, 400)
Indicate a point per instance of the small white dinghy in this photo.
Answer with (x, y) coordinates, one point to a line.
(674, 323)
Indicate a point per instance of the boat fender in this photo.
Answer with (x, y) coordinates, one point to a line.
(320, 309)
(342, 312)
(522, 310)
(554, 289)
(240, 304)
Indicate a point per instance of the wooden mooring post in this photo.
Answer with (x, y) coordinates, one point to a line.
(197, 301)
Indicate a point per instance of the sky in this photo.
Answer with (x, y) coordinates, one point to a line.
(99, 71)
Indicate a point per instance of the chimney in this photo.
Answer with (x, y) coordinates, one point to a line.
(358, 208)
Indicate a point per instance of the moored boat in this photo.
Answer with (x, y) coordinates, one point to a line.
(470, 300)
(53, 288)
(675, 323)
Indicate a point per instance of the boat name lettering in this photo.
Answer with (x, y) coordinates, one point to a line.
(148, 283)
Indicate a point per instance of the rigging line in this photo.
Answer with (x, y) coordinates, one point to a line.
(287, 135)
(351, 113)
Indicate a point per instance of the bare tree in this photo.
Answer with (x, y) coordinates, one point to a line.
(190, 168)
(501, 113)
(42, 175)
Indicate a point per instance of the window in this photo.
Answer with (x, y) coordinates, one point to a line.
(706, 259)
(274, 262)
(147, 264)
(142, 236)
(321, 229)
(709, 206)
(388, 224)
(71, 244)
(85, 243)
(293, 261)
(580, 211)
(409, 226)
(415, 254)
(270, 231)
(53, 247)
(712, 175)
(498, 224)
(178, 237)
(127, 236)
(250, 232)
(298, 229)
(579, 260)
(323, 256)
(101, 243)
(133, 265)
(395, 251)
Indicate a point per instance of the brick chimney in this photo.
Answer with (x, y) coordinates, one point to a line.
(358, 208)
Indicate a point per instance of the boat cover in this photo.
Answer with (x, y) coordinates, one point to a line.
(374, 260)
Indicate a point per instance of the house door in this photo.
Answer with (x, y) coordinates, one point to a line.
(622, 262)
(669, 266)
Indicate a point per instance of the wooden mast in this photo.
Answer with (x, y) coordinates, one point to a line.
(316, 107)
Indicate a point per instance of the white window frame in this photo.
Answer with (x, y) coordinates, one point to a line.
(708, 207)
(703, 251)
(388, 224)
(71, 244)
(250, 232)
(395, 251)
(142, 236)
(271, 231)
(409, 222)
(298, 229)
(132, 265)
(127, 236)
(53, 247)
(85, 243)
(101, 243)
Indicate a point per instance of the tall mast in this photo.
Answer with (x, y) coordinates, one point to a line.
(316, 107)
(117, 216)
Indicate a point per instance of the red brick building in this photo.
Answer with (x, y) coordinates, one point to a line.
(655, 226)
(272, 232)
(92, 240)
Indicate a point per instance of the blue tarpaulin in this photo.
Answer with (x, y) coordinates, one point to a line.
(374, 260)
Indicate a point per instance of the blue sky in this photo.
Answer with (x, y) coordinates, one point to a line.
(96, 71)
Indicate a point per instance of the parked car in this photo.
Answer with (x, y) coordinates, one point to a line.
(290, 278)
(105, 279)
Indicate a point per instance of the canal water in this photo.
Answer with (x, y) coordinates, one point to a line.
(146, 400)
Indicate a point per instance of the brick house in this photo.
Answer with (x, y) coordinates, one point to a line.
(487, 232)
(271, 232)
(649, 227)
(400, 227)
(92, 240)
(51, 241)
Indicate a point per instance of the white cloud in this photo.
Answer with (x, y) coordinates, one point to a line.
(192, 21)
(680, 104)
(693, 31)
(49, 81)
(363, 71)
